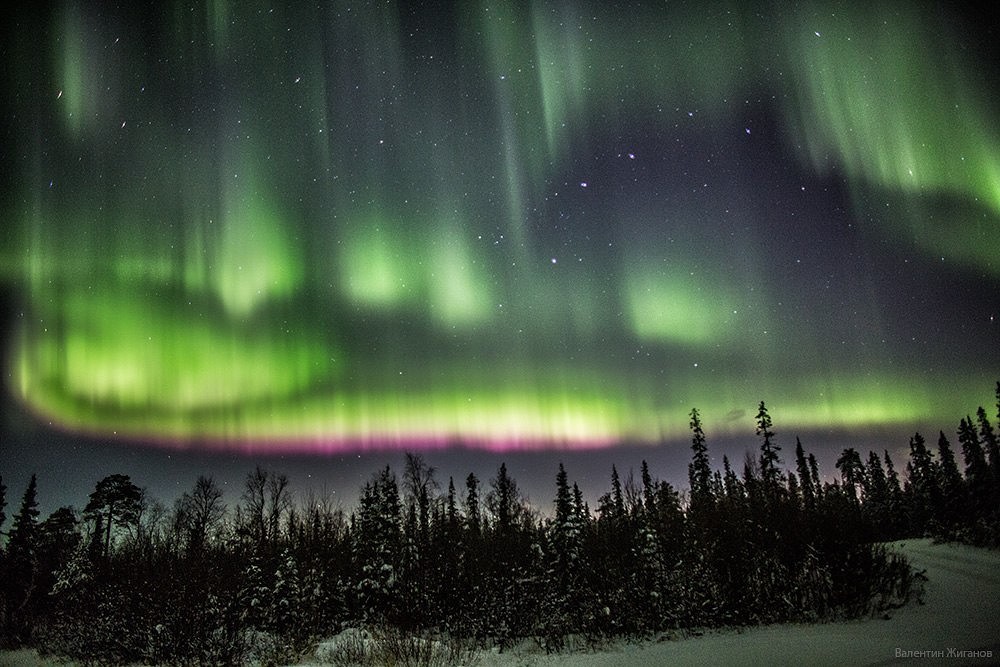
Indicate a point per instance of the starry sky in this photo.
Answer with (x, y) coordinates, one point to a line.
(321, 234)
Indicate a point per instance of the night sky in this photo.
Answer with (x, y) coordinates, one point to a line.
(316, 236)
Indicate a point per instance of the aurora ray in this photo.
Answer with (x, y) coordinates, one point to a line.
(504, 226)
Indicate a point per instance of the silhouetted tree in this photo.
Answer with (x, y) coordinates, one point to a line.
(3, 507)
(266, 500)
(21, 576)
(895, 490)
(730, 481)
(648, 488)
(976, 469)
(473, 514)
(769, 461)
(805, 477)
(977, 472)
(420, 485)
(876, 493)
(378, 548)
(990, 443)
(116, 502)
(58, 537)
(817, 486)
(951, 483)
(453, 523)
(699, 470)
(504, 502)
(198, 514)
(851, 471)
(564, 594)
(922, 484)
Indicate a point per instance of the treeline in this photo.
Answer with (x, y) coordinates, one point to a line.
(131, 580)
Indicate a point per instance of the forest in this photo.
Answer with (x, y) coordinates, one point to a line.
(471, 564)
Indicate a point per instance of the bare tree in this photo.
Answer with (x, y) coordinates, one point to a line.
(199, 514)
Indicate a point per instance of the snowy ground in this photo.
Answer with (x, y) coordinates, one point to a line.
(961, 613)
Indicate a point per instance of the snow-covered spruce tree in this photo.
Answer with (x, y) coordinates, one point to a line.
(510, 596)
(443, 561)
(420, 487)
(377, 549)
(71, 601)
(470, 592)
(285, 606)
(565, 601)
(665, 519)
(612, 563)
(770, 473)
(699, 470)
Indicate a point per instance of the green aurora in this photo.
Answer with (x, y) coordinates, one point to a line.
(502, 225)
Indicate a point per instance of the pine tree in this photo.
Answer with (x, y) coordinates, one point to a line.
(976, 469)
(990, 443)
(817, 486)
(566, 565)
(922, 483)
(564, 501)
(852, 472)
(892, 478)
(805, 478)
(504, 502)
(950, 481)
(769, 461)
(3, 504)
(21, 577)
(24, 531)
(617, 497)
(58, 538)
(879, 510)
(699, 470)
(451, 511)
(378, 547)
(116, 502)
(730, 481)
(286, 598)
(876, 488)
(648, 492)
(580, 509)
(473, 516)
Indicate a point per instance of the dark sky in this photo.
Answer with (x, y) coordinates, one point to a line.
(315, 237)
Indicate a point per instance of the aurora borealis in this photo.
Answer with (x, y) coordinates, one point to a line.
(335, 227)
